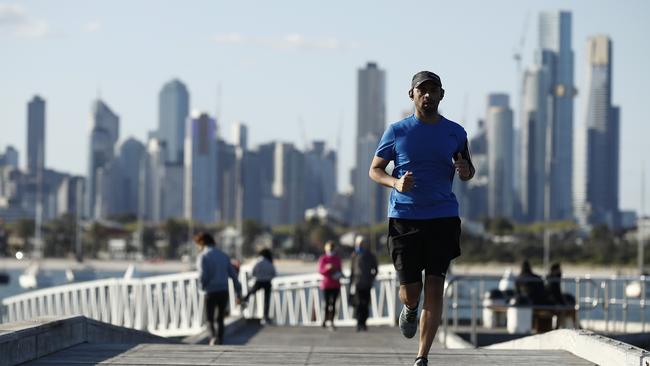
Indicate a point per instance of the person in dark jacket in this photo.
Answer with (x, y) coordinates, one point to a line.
(531, 286)
(214, 269)
(362, 277)
(553, 285)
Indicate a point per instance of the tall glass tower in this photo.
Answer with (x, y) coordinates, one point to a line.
(173, 110)
(369, 203)
(36, 135)
(602, 136)
(546, 128)
(201, 169)
(557, 56)
(103, 137)
(499, 123)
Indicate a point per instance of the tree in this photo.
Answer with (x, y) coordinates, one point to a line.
(24, 229)
(250, 231)
(175, 232)
(60, 236)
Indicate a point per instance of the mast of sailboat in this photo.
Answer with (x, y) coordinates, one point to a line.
(38, 237)
(78, 210)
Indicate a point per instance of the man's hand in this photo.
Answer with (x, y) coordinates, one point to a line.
(405, 183)
(462, 166)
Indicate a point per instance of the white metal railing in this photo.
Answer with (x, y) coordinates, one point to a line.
(172, 305)
(296, 300)
(464, 293)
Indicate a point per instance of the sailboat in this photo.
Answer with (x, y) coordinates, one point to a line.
(33, 277)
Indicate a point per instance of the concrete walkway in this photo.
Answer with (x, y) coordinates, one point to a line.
(271, 345)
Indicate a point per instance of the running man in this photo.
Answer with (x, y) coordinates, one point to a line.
(424, 225)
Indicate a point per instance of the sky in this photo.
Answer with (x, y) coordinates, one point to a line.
(288, 69)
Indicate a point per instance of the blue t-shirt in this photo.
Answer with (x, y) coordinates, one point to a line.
(426, 150)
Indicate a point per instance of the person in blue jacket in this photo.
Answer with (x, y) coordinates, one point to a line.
(214, 269)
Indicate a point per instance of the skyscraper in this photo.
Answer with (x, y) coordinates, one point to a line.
(103, 136)
(227, 181)
(557, 55)
(289, 182)
(132, 152)
(500, 156)
(546, 128)
(154, 181)
(369, 199)
(599, 204)
(240, 135)
(173, 110)
(320, 175)
(10, 157)
(472, 195)
(36, 136)
(201, 169)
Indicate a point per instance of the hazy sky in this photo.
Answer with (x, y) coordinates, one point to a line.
(281, 62)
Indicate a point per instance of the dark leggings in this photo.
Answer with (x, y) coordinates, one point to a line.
(218, 301)
(266, 285)
(363, 301)
(330, 303)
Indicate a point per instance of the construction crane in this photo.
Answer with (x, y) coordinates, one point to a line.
(519, 48)
(518, 56)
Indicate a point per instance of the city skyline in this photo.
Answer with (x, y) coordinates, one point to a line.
(325, 101)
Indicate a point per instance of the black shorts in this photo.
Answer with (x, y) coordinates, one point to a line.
(428, 245)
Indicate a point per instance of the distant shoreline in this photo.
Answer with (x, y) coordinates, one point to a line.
(288, 266)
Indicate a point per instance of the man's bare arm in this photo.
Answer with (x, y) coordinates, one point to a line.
(378, 174)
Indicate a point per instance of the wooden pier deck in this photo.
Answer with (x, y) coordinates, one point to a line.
(300, 346)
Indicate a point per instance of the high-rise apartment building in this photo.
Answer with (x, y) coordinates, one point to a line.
(546, 128)
(201, 202)
(597, 172)
(499, 123)
(369, 199)
(103, 136)
(36, 136)
(173, 110)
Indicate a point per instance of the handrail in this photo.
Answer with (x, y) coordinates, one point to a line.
(172, 305)
(452, 280)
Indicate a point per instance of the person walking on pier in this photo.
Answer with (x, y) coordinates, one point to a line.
(424, 225)
(264, 272)
(363, 270)
(329, 266)
(214, 269)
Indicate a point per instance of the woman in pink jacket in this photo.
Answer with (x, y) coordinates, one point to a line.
(329, 266)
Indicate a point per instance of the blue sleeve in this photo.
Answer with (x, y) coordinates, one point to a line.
(386, 148)
(462, 141)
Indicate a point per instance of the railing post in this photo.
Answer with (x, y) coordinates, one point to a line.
(577, 304)
(474, 315)
(605, 287)
(642, 302)
(455, 305)
(625, 305)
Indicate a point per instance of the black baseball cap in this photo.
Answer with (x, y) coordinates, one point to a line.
(423, 76)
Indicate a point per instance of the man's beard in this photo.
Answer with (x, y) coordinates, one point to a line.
(429, 109)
